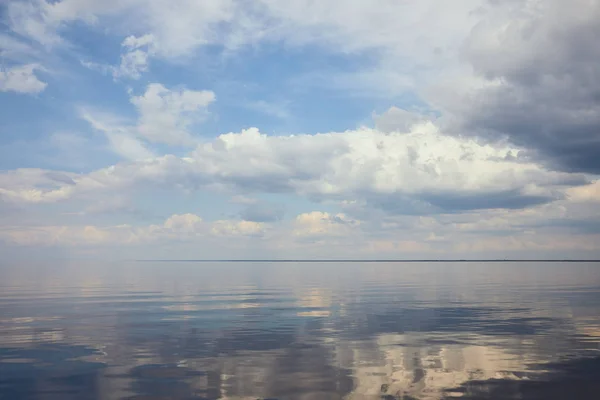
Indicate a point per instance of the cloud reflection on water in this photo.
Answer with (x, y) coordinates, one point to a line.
(295, 332)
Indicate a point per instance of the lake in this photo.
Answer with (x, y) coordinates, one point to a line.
(260, 330)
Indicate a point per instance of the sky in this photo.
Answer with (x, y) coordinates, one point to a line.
(190, 129)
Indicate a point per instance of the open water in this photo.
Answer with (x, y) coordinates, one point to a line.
(258, 330)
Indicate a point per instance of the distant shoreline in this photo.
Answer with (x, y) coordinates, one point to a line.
(370, 261)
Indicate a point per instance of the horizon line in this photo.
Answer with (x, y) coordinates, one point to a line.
(365, 260)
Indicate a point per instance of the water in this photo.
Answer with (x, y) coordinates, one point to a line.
(300, 331)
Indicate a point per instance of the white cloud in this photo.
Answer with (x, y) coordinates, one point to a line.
(421, 171)
(404, 186)
(397, 120)
(135, 42)
(42, 20)
(135, 59)
(121, 138)
(399, 32)
(183, 223)
(36, 185)
(68, 235)
(317, 224)
(274, 109)
(238, 228)
(17, 50)
(312, 234)
(587, 193)
(178, 227)
(399, 49)
(367, 161)
(166, 114)
(127, 146)
(240, 199)
(21, 79)
(177, 29)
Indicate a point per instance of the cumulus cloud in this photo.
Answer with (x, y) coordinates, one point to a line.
(166, 114)
(183, 223)
(322, 225)
(238, 228)
(417, 172)
(21, 79)
(321, 234)
(68, 235)
(397, 120)
(122, 139)
(518, 124)
(585, 193)
(178, 227)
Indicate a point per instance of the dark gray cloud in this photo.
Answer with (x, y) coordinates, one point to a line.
(542, 64)
(59, 177)
(509, 199)
(431, 203)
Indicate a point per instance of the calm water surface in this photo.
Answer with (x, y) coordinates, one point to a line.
(300, 331)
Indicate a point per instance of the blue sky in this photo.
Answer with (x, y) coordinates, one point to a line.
(366, 129)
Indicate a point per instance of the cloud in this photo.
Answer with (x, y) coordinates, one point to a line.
(17, 50)
(127, 146)
(497, 160)
(494, 233)
(177, 228)
(367, 163)
(397, 120)
(398, 33)
(164, 117)
(238, 228)
(262, 212)
(121, 138)
(21, 79)
(36, 185)
(322, 225)
(135, 59)
(241, 199)
(535, 81)
(68, 235)
(183, 223)
(274, 109)
(416, 172)
(183, 228)
(585, 193)
(177, 29)
(29, 19)
(541, 243)
(166, 114)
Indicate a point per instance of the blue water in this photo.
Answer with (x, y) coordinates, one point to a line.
(168, 330)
